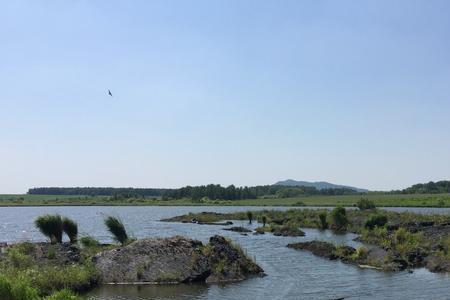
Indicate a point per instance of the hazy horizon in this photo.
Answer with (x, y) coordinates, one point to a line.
(227, 92)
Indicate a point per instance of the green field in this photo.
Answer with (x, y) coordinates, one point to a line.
(414, 200)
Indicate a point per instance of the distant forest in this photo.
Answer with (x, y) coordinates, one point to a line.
(216, 191)
(431, 187)
(211, 191)
(98, 191)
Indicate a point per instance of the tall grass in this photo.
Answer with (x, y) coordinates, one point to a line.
(117, 229)
(323, 220)
(63, 295)
(51, 226)
(17, 289)
(71, 229)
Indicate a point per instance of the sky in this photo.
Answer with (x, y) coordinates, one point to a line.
(228, 92)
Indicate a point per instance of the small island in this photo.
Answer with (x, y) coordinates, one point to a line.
(57, 270)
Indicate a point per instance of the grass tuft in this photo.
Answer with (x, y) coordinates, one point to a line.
(51, 226)
(70, 227)
(117, 229)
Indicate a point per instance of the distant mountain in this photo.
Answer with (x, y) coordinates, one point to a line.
(320, 185)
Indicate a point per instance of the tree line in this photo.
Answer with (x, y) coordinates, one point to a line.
(99, 191)
(211, 191)
(439, 187)
(231, 192)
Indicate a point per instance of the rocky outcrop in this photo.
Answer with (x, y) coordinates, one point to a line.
(228, 262)
(318, 248)
(238, 229)
(175, 260)
(437, 264)
(287, 231)
(208, 218)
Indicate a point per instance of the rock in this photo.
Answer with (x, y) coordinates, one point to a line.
(216, 223)
(381, 258)
(437, 264)
(238, 229)
(416, 257)
(319, 248)
(287, 231)
(174, 260)
(201, 218)
(228, 262)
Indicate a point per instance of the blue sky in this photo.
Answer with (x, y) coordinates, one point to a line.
(243, 92)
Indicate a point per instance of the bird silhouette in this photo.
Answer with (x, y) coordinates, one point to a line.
(109, 93)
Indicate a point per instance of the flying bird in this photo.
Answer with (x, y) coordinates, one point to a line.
(109, 93)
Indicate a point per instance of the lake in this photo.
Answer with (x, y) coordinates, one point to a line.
(292, 274)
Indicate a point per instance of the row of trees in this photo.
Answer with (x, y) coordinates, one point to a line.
(211, 191)
(99, 191)
(431, 187)
(231, 192)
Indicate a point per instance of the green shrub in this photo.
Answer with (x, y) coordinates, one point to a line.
(375, 220)
(339, 218)
(405, 242)
(117, 229)
(264, 220)
(51, 253)
(249, 217)
(360, 253)
(323, 220)
(51, 279)
(16, 289)
(63, 295)
(71, 229)
(18, 259)
(51, 226)
(365, 203)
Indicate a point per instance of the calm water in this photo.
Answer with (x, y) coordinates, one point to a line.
(291, 274)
